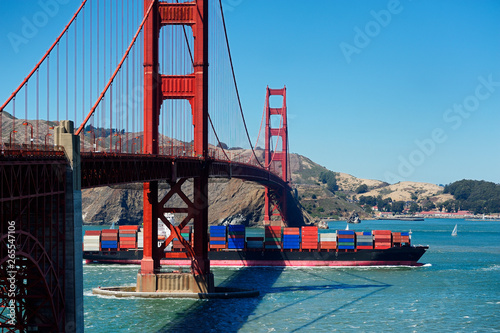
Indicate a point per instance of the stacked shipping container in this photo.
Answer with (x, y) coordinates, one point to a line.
(109, 239)
(236, 237)
(128, 236)
(186, 234)
(401, 238)
(255, 238)
(328, 241)
(382, 239)
(92, 240)
(273, 237)
(291, 238)
(364, 240)
(310, 238)
(346, 239)
(217, 237)
(140, 239)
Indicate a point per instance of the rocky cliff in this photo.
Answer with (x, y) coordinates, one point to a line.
(231, 201)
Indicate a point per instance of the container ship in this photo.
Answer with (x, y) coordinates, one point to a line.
(236, 245)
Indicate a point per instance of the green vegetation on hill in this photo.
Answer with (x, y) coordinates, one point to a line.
(478, 196)
(329, 178)
(306, 172)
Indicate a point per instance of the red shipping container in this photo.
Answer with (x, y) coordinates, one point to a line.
(346, 236)
(109, 238)
(128, 227)
(383, 238)
(218, 238)
(109, 231)
(328, 245)
(92, 232)
(310, 237)
(291, 231)
(382, 232)
(218, 246)
(364, 247)
(127, 232)
(128, 246)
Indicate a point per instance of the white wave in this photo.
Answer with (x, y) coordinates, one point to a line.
(491, 268)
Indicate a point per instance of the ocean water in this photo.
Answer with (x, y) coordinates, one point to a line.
(457, 290)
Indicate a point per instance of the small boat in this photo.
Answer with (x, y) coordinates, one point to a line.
(454, 232)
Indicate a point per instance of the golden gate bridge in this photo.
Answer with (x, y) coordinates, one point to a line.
(129, 92)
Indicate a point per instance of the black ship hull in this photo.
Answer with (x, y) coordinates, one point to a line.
(394, 256)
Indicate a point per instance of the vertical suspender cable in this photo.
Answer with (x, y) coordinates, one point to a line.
(48, 94)
(103, 106)
(76, 63)
(25, 104)
(113, 76)
(57, 84)
(43, 58)
(235, 86)
(90, 72)
(82, 141)
(37, 100)
(67, 78)
(97, 60)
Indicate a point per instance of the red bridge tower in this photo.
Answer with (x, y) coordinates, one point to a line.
(275, 157)
(194, 88)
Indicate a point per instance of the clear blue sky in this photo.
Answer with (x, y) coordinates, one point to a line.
(389, 90)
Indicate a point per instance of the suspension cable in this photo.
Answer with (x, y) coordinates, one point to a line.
(44, 57)
(235, 85)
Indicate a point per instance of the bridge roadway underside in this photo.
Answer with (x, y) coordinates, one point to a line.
(104, 169)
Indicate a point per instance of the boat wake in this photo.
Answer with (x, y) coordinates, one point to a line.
(491, 268)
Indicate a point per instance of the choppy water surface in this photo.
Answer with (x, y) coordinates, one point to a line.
(458, 290)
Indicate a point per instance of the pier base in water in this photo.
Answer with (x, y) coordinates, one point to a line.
(175, 282)
(218, 292)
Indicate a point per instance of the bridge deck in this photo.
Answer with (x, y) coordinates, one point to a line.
(104, 169)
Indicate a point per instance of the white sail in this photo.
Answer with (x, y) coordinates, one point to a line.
(454, 232)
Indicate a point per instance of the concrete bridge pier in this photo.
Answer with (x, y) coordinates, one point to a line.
(65, 137)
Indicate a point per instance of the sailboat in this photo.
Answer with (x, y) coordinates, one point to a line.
(454, 232)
